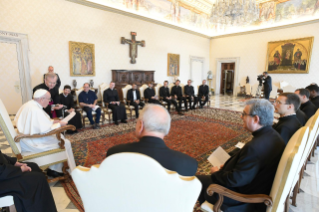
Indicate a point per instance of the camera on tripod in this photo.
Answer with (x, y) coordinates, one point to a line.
(260, 79)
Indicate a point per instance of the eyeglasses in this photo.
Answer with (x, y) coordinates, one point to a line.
(243, 114)
(279, 103)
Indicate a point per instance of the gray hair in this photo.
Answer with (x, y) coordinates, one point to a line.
(50, 75)
(155, 121)
(263, 109)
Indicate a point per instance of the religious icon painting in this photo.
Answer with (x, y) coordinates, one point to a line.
(289, 56)
(172, 64)
(82, 59)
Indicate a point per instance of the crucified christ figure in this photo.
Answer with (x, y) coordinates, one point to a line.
(133, 46)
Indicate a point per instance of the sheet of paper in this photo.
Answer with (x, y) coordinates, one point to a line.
(96, 107)
(218, 157)
(69, 117)
(240, 145)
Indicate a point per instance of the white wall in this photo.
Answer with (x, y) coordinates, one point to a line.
(51, 24)
(252, 50)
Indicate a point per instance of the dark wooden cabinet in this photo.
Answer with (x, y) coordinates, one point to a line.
(123, 77)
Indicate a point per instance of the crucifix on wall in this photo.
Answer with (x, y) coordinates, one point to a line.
(133, 46)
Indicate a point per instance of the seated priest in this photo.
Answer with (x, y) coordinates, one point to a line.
(253, 168)
(27, 184)
(286, 105)
(54, 109)
(66, 99)
(134, 98)
(203, 92)
(152, 126)
(149, 94)
(164, 93)
(314, 94)
(31, 120)
(178, 94)
(51, 70)
(88, 101)
(111, 97)
(190, 94)
(306, 105)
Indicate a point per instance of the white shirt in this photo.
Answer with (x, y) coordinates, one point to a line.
(134, 95)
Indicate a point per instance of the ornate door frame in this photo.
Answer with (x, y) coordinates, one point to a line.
(22, 45)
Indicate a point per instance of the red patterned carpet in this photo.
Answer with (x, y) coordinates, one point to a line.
(197, 134)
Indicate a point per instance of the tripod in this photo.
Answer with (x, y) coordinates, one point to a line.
(258, 92)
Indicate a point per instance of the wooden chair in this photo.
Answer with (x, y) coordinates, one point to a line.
(254, 89)
(289, 88)
(278, 199)
(247, 90)
(82, 112)
(43, 159)
(142, 89)
(7, 202)
(273, 94)
(105, 107)
(148, 187)
(125, 101)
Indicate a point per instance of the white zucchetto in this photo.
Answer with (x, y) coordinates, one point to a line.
(39, 93)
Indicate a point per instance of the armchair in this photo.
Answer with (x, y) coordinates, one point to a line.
(278, 198)
(105, 106)
(125, 101)
(148, 187)
(43, 159)
(142, 88)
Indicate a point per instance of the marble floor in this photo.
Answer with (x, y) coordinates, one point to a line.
(307, 199)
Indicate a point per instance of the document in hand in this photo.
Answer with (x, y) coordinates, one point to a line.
(218, 157)
(69, 117)
(96, 107)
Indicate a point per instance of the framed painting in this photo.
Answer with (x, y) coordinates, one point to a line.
(82, 59)
(289, 56)
(172, 64)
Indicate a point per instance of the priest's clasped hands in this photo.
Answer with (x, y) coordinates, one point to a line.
(216, 168)
(114, 103)
(24, 167)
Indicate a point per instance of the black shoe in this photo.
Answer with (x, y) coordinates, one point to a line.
(54, 174)
(180, 113)
(124, 121)
(97, 126)
(116, 123)
(201, 106)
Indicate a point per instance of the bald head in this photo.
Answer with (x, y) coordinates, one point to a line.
(154, 120)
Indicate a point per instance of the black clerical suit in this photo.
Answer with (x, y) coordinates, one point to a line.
(287, 126)
(156, 148)
(68, 102)
(58, 81)
(164, 93)
(177, 90)
(250, 171)
(30, 190)
(301, 116)
(203, 91)
(267, 87)
(118, 111)
(190, 95)
(315, 101)
(131, 100)
(308, 108)
(54, 96)
(148, 94)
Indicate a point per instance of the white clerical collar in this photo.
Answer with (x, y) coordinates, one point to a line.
(65, 95)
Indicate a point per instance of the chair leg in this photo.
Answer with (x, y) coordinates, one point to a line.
(83, 122)
(294, 194)
(287, 204)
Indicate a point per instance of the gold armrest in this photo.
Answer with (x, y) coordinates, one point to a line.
(56, 132)
(222, 191)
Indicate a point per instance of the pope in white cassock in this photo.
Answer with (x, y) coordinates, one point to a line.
(32, 119)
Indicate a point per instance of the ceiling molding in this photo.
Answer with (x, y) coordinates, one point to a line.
(268, 29)
(110, 9)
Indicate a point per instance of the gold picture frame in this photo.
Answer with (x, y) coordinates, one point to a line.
(172, 64)
(289, 56)
(82, 59)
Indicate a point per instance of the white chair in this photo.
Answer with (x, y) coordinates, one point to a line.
(142, 89)
(126, 103)
(254, 89)
(247, 90)
(289, 89)
(43, 159)
(147, 187)
(82, 112)
(283, 84)
(105, 107)
(7, 201)
(274, 92)
(278, 198)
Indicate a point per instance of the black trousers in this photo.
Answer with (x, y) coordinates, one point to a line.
(118, 112)
(202, 103)
(154, 101)
(266, 93)
(136, 107)
(190, 100)
(182, 99)
(171, 101)
(75, 121)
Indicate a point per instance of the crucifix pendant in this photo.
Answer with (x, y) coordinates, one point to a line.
(133, 46)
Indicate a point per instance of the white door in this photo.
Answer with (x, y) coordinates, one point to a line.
(196, 74)
(10, 91)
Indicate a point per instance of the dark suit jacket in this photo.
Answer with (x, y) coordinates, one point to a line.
(267, 84)
(129, 95)
(253, 168)
(308, 108)
(157, 149)
(287, 126)
(189, 90)
(110, 95)
(177, 90)
(301, 116)
(164, 92)
(315, 101)
(149, 93)
(203, 90)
